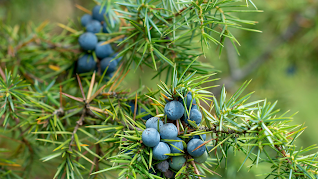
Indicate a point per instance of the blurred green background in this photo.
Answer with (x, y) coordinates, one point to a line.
(282, 61)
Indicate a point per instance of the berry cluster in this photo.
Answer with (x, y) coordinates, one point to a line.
(88, 41)
(163, 138)
(175, 109)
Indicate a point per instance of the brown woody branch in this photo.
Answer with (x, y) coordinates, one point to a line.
(78, 124)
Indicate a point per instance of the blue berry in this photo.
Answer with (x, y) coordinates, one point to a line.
(108, 77)
(160, 150)
(188, 99)
(168, 131)
(152, 171)
(98, 13)
(129, 154)
(119, 58)
(163, 166)
(93, 26)
(193, 144)
(169, 174)
(195, 115)
(85, 63)
(198, 137)
(174, 110)
(103, 51)
(176, 163)
(142, 110)
(104, 28)
(87, 41)
(202, 158)
(112, 23)
(85, 19)
(209, 147)
(150, 137)
(179, 145)
(194, 106)
(147, 117)
(153, 123)
(107, 62)
(185, 118)
(132, 107)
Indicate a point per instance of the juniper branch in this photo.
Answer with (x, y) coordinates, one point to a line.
(78, 124)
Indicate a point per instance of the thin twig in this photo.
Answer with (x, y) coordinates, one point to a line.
(34, 77)
(135, 109)
(195, 168)
(73, 97)
(202, 144)
(209, 169)
(113, 93)
(178, 126)
(91, 86)
(81, 86)
(121, 80)
(96, 166)
(2, 74)
(96, 93)
(11, 139)
(83, 9)
(78, 124)
(113, 40)
(61, 98)
(115, 81)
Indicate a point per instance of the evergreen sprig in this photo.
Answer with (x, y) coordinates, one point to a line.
(92, 127)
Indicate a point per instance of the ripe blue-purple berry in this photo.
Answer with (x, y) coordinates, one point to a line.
(150, 137)
(86, 63)
(193, 144)
(103, 51)
(163, 166)
(174, 110)
(142, 110)
(160, 150)
(153, 123)
(132, 107)
(107, 62)
(195, 115)
(93, 26)
(104, 28)
(99, 13)
(119, 58)
(85, 19)
(87, 41)
(188, 99)
(168, 131)
(176, 146)
(108, 77)
(198, 137)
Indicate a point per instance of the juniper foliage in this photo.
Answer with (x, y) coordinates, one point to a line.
(89, 124)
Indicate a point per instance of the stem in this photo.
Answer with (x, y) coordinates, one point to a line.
(78, 124)
(96, 160)
(195, 168)
(2, 74)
